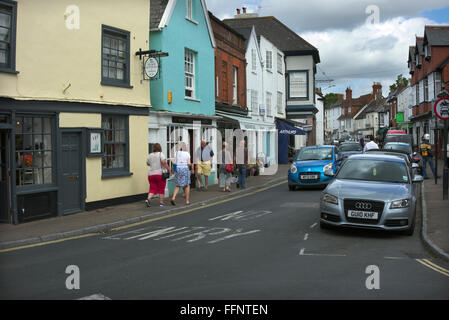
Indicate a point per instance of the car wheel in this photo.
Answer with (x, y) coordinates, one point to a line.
(409, 232)
(291, 188)
(324, 226)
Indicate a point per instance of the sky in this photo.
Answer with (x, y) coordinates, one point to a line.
(359, 41)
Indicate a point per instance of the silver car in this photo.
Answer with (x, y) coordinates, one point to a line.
(371, 191)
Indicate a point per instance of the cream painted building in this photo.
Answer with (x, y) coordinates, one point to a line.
(73, 106)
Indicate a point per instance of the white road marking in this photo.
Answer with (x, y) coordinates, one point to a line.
(117, 236)
(306, 236)
(97, 296)
(313, 225)
(394, 258)
(242, 215)
(227, 216)
(301, 253)
(237, 234)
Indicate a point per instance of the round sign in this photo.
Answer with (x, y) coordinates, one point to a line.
(441, 108)
(151, 67)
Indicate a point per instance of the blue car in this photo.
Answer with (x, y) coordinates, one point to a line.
(309, 164)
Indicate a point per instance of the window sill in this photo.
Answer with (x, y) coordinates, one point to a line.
(192, 99)
(111, 175)
(11, 71)
(269, 70)
(254, 72)
(192, 21)
(120, 85)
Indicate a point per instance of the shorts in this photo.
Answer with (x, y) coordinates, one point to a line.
(204, 168)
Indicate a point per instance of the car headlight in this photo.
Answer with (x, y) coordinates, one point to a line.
(293, 169)
(327, 167)
(405, 203)
(330, 198)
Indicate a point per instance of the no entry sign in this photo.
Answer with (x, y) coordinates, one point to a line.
(441, 108)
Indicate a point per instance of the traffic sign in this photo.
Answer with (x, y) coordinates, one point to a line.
(441, 108)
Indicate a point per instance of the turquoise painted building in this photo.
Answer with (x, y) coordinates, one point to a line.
(183, 92)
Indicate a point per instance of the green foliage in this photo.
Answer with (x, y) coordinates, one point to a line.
(330, 99)
(400, 82)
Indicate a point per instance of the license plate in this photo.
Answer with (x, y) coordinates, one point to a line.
(309, 177)
(363, 214)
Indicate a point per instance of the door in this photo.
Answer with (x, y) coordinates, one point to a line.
(71, 172)
(5, 199)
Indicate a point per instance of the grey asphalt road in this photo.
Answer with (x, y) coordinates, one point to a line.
(267, 245)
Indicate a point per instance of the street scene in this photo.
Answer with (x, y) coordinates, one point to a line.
(190, 151)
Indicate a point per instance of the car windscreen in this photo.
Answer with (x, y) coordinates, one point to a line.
(398, 138)
(314, 154)
(350, 147)
(400, 147)
(374, 170)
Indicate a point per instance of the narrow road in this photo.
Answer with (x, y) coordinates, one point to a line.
(267, 245)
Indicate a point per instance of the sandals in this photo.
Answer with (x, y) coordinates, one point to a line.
(172, 202)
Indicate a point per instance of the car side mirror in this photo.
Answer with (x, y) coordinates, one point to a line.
(418, 179)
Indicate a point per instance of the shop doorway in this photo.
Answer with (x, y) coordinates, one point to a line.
(72, 174)
(5, 179)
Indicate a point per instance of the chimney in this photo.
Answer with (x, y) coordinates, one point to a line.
(244, 10)
(238, 11)
(348, 94)
(377, 90)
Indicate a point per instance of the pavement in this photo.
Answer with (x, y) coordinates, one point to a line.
(435, 210)
(435, 228)
(102, 220)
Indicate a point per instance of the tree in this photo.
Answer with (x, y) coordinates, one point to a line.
(401, 82)
(330, 99)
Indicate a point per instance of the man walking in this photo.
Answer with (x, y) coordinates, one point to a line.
(204, 156)
(241, 159)
(426, 155)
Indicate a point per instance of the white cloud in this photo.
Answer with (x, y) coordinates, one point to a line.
(369, 53)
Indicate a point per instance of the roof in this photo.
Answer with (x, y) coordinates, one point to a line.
(373, 106)
(245, 32)
(419, 46)
(224, 25)
(411, 54)
(278, 33)
(436, 35)
(157, 11)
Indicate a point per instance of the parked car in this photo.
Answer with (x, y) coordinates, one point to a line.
(371, 191)
(347, 149)
(309, 164)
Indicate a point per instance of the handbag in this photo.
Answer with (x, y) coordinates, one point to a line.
(165, 174)
(229, 168)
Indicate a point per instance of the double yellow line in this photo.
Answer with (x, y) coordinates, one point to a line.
(433, 266)
(145, 221)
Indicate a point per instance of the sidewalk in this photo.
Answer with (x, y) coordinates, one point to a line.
(435, 231)
(112, 217)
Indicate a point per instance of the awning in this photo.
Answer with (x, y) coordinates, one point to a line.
(248, 123)
(285, 128)
(382, 131)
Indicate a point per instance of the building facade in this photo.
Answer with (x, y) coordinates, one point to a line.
(72, 107)
(183, 93)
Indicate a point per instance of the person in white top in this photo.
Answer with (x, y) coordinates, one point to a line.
(372, 145)
(183, 169)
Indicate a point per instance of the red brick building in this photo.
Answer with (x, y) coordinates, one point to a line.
(230, 74)
(429, 68)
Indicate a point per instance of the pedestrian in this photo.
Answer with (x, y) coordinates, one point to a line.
(372, 145)
(182, 175)
(362, 142)
(157, 162)
(204, 156)
(226, 169)
(241, 159)
(426, 155)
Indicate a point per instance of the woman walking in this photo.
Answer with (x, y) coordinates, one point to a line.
(156, 161)
(226, 169)
(182, 177)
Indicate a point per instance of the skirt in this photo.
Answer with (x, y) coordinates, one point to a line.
(182, 177)
(157, 184)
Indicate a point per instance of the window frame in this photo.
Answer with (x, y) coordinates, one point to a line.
(426, 89)
(192, 75)
(437, 89)
(189, 10)
(269, 60)
(280, 59)
(235, 84)
(120, 35)
(114, 172)
(280, 96)
(269, 103)
(298, 98)
(10, 66)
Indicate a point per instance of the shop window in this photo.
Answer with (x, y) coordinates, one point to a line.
(116, 149)
(34, 150)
